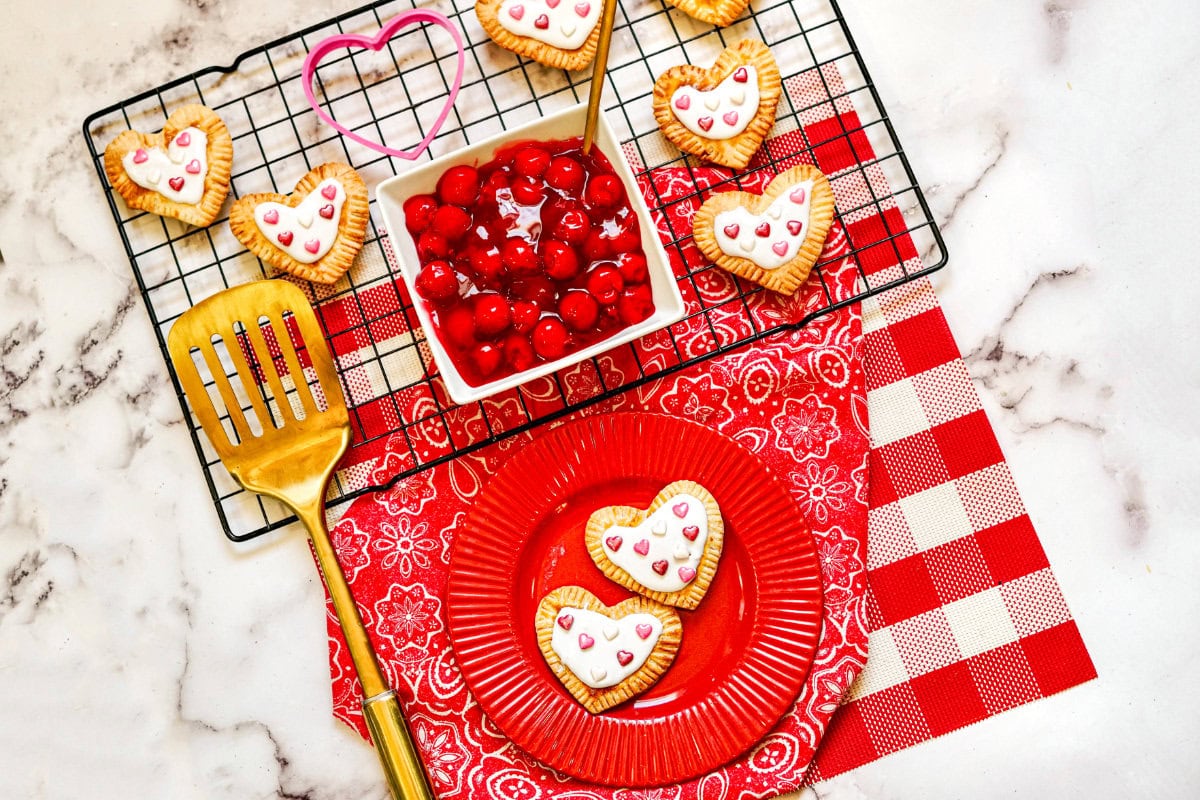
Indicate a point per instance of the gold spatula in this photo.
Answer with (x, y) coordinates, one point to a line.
(289, 457)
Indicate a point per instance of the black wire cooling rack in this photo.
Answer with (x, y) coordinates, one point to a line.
(388, 95)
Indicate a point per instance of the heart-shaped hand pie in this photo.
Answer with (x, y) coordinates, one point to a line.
(714, 12)
(722, 113)
(774, 238)
(667, 552)
(558, 33)
(182, 172)
(315, 232)
(605, 655)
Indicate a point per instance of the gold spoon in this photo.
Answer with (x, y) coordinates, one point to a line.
(598, 72)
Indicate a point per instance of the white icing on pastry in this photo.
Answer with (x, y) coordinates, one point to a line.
(770, 239)
(653, 560)
(565, 24)
(722, 112)
(581, 641)
(307, 231)
(177, 174)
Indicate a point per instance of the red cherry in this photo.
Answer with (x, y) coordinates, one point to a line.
(451, 222)
(486, 358)
(537, 290)
(598, 246)
(431, 245)
(627, 241)
(518, 352)
(550, 339)
(458, 326)
(566, 174)
(531, 162)
(494, 183)
(437, 281)
(418, 212)
(486, 264)
(573, 227)
(492, 314)
(520, 257)
(524, 315)
(605, 283)
(635, 304)
(632, 267)
(459, 186)
(579, 310)
(603, 191)
(528, 191)
(560, 260)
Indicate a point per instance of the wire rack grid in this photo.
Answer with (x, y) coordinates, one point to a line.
(404, 421)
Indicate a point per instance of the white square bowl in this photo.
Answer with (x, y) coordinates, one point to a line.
(565, 124)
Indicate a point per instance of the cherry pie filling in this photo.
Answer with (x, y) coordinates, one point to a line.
(528, 258)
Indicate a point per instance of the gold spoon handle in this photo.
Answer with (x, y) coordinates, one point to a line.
(599, 68)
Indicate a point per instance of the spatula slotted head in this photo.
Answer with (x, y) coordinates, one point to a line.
(242, 349)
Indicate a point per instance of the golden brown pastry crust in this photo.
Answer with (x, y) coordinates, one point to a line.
(787, 278)
(737, 151)
(714, 12)
(488, 13)
(352, 225)
(219, 156)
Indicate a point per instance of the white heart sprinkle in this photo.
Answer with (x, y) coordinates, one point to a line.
(610, 632)
(154, 177)
(567, 28)
(775, 212)
(305, 218)
(746, 243)
(737, 96)
(659, 529)
(682, 552)
(711, 102)
(599, 673)
(176, 154)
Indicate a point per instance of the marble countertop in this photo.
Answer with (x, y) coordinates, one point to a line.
(142, 655)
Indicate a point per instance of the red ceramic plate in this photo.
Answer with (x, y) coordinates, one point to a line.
(746, 650)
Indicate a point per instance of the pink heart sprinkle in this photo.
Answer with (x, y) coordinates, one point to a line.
(516, 12)
(624, 657)
(691, 532)
(271, 216)
(798, 195)
(285, 238)
(686, 574)
(683, 102)
(730, 117)
(780, 248)
(642, 547)
(183, 139)
(614, 543)
(193, 166)
(542, 22)
(644, 629)
(566, 621)
(680, 510)
(660, 567)
(553, 3)
(583, 9)
(329, 192)
(140, 156)
(763, 229)
(741, 76)
(585, 641)
(794, 226)
(326, 211)
(176, 183)
(312, 245)
(705, 123)
(733, 230)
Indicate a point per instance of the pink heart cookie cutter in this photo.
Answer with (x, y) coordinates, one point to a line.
(376, 43)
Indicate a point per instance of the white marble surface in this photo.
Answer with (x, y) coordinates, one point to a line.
(141, 655)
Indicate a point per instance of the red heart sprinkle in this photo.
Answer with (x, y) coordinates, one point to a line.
(705, 123)
(794, 226)
(660, 567)
(741, 76)
(193, 166)
(329, 192)
(566, 621)
(798, 195)
(585, 641)
(683, 102)
(733, 230)
(326, 211)
(183, 139)
(516, 12)
(542, 22)
(730, 118)
(763, 229)
(686, 574)
(680, 509)
(285, 238)
(140, 156)
(312, 245)
(644, 629)
(780, 248)
(642, 547)
(582, 9)
(271, 216)
(553, 3)
(624, 657)
(176, 183)
(614, 543)
(691, 532)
